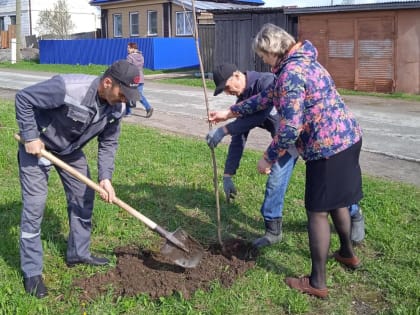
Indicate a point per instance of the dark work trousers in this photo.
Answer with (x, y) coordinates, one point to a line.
(34, 185)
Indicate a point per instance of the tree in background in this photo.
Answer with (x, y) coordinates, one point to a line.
(56, 22)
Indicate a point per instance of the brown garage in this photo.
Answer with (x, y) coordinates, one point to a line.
(372, 47)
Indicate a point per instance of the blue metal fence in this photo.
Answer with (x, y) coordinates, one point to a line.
(159, 53)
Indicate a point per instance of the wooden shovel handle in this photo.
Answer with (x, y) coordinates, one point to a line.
(56, 161)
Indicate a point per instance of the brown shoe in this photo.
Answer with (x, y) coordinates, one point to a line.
(303, 285)
(352, 263)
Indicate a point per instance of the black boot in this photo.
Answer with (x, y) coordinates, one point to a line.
(273, 233)
(92, 260)
(35, 286)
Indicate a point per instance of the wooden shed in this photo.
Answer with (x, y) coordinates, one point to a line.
(370, 47)
(234, 31)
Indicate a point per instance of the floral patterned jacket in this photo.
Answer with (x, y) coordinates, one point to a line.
(312, 113)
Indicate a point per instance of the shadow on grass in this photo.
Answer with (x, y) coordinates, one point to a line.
(10, 223)
(191, 208)
(194, 210)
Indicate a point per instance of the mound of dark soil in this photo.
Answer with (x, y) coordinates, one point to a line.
(142, 271)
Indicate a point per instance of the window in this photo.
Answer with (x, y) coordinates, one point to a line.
(152, 23)
(2, 23)
(13, 19)
(134, 24)
(117, 25)
(184, 24)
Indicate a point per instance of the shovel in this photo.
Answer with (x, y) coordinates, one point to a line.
(180, 248)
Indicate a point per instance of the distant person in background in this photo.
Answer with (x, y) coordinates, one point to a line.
(136, 58)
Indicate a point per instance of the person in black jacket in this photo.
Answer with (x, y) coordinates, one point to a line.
(62, 115)
(229, 79)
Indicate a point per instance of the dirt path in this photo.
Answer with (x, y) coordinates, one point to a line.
(403, 166)
(385, 166)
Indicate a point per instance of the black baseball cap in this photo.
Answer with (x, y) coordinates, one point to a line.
(220, 75)
(129, 76)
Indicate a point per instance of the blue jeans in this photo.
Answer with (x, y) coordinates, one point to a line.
(354, 210)
(143, 99)
(276, 187)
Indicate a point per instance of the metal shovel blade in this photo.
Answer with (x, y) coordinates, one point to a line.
(180, 257)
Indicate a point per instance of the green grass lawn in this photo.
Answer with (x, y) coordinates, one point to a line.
(169, 179)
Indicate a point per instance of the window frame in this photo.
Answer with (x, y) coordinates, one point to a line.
(131, 25)
(114, 26)
(185, 15)
(149, 21)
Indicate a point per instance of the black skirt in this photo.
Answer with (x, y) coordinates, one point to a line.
(334, 182)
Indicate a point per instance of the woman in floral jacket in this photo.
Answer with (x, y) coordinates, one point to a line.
(312, 115)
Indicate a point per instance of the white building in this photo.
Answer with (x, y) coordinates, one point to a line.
(85, 17)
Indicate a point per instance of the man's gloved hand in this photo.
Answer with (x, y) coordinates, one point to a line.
(229, 188)
(214, 137)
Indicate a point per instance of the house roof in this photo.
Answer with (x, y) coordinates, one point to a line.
(203, 5)
(209, 5)
(93, 2)
(252, 1)
(246, 9)
(354, 7)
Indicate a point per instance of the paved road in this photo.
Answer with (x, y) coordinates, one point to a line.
(391, 141)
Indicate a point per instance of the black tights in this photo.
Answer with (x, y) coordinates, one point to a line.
(319, 241)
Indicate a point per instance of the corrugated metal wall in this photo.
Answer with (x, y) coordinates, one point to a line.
(159, 53)
(357, 49)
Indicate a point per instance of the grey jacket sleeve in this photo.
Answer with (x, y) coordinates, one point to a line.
(107, 148)
(48, 94)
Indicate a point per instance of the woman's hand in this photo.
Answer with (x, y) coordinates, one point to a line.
(263, 166)
(220, 115)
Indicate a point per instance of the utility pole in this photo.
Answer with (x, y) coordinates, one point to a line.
(30, 18)
(18, 30)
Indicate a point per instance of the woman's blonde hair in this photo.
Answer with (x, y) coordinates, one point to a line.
(272, 39)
